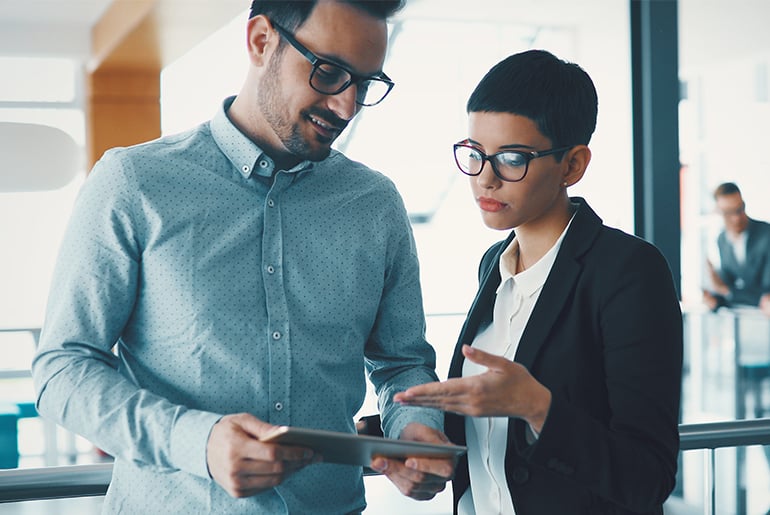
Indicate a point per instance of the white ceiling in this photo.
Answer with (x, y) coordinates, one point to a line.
(52, 11)
(49, 28)
(62, 27)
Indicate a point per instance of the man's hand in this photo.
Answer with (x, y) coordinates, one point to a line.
(764, 304)
(709, 300)
(418, 478)
(506, 389)
(243, 465)
(717, 283)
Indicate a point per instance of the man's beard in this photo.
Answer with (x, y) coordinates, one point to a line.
(273, 107)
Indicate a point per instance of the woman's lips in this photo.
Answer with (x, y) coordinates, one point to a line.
(489, 204)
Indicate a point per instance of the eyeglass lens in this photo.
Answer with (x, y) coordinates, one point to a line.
(509, 165)
(331, 79)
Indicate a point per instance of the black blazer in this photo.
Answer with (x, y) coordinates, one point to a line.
(605, 336)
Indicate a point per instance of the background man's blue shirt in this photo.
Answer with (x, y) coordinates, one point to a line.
(228, 286)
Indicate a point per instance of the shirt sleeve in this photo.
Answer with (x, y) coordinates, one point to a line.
(397, 354)
(76, 372)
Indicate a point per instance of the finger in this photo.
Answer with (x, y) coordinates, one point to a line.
(425, 389)
(436, 470)
(277, 453)
(449, 388)
(484, 358)
(252, 428)
(446, 405)
(411, 482)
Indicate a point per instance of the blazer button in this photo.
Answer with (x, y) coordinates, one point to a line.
(520, 475)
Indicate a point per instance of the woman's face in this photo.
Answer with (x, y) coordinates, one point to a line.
(537, 199)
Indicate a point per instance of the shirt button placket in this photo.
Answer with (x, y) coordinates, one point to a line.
(276, 304)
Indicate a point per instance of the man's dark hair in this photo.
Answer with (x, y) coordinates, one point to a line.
(726, 188)
(557, 95)
(291, 14)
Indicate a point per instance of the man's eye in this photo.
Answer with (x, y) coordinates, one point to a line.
(330, 74)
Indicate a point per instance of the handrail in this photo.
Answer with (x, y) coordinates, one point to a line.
(54, 482)
(20, 374)
(732, 433)
(88, 480)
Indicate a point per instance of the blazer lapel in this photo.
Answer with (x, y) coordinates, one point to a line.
(751, 243)
(565, 272)
(566, 269)
(483, 304)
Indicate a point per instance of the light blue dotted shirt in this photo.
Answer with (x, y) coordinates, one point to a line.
(195, 280)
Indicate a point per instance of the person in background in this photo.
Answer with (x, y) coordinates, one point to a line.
(216, 284)
(743, 277)
(565, 381)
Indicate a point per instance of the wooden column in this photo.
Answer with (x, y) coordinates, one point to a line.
(131, 44)
(123, 78)
(123, 108)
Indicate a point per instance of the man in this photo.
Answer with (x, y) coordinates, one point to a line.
(243, 273)
(743, 277)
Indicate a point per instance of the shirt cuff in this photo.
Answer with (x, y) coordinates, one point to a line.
(426, 416)
(189, 438)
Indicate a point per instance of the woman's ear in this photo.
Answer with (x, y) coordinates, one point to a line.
(261, 40)
(577, 159)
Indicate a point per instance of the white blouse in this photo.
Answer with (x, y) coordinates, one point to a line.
(487, 436)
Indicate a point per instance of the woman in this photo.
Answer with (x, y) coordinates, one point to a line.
(565, 381)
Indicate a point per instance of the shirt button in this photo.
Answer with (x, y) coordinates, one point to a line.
(245, 168)
(264, 164)
(278, 406)
(270, 203)
(270, 269)
(276, 335)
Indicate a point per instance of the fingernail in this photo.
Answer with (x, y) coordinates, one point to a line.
(411, 464)
(380, 465)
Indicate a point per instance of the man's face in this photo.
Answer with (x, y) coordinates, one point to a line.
(305, 121)
(733, 210)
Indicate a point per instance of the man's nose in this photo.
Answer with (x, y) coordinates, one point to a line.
(343, 104)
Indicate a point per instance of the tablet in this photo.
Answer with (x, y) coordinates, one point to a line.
(354, 449)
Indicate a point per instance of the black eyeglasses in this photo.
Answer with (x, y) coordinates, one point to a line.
(331, 79)
(508, 165)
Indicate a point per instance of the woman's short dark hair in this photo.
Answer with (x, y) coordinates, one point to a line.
(291, 14)
(557, 95)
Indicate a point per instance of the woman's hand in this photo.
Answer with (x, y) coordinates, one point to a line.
(506, 389)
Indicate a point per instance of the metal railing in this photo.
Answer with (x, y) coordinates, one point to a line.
(87, 480)
(714, 435)
(23, 373)
(54, 482)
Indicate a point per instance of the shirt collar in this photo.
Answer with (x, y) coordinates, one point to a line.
(244, 154)
(533, 278)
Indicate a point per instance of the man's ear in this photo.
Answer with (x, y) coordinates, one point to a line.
(261, 40)
(577, 159)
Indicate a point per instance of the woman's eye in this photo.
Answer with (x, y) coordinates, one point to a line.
(511, 159)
